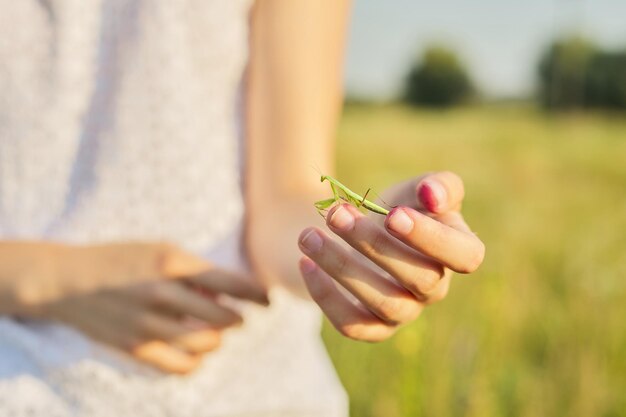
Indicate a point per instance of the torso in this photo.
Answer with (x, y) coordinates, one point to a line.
(118, 121)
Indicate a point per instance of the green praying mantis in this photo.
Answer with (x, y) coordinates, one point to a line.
(343, 193)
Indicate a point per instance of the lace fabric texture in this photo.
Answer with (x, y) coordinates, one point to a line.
(118, 121)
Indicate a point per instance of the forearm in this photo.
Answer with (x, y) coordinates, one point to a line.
(28, 273)
(293, 101)
(33, 273)
(273, 240)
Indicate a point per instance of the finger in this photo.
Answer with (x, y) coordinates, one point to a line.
(104, 325)
(441, 290)
(222, 281)
(415, 272)
(462, 252)
(381, 296)
(166, 357)
(433, 192)
(440, 192)
(350, 320)
(199, 341)
(455, 220)
(153, 325)
(130, 322)
(180, 299)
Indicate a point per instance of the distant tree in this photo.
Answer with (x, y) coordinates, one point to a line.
(563, 71)
(438, 79)
(605, 83)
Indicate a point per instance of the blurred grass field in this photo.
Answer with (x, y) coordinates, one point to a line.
(540, 329)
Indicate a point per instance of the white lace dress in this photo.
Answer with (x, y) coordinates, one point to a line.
(118, 121)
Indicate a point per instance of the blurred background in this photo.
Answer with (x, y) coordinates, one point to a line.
(527, 102)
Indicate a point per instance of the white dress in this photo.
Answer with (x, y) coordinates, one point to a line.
(118, 120)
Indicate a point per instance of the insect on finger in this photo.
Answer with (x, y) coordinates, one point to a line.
(413, 271)
(351, 197)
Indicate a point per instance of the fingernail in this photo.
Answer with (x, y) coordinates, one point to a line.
(433, 195)
(399, 222)
(312, 241)
(342, 219)
(307, 265)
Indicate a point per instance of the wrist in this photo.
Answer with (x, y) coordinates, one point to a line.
(28, 276)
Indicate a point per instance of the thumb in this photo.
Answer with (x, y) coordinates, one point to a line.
(440, 192)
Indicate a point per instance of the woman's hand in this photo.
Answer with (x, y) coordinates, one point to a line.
(154, 300)
(406, 264)
(168, 324)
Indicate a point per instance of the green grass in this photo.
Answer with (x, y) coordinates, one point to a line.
(540, 329)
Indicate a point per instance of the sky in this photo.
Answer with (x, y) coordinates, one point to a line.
(500, 41)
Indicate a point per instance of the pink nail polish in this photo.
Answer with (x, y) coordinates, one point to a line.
(399, 222)
(432, 195)
(312, 241)
(342, 219)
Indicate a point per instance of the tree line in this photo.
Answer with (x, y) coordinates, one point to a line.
(572, 73)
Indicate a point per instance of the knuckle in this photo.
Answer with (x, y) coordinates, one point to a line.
(429, 282)
(341, 264)
(377, 245)
(388, 309)
(439, 294)
(424, 282)
(395, 310)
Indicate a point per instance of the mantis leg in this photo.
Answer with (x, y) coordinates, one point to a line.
(360, 203)
(335, 192)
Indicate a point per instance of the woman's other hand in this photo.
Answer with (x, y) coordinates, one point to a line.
(403, 265)
(156, 301)
(169, 324)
